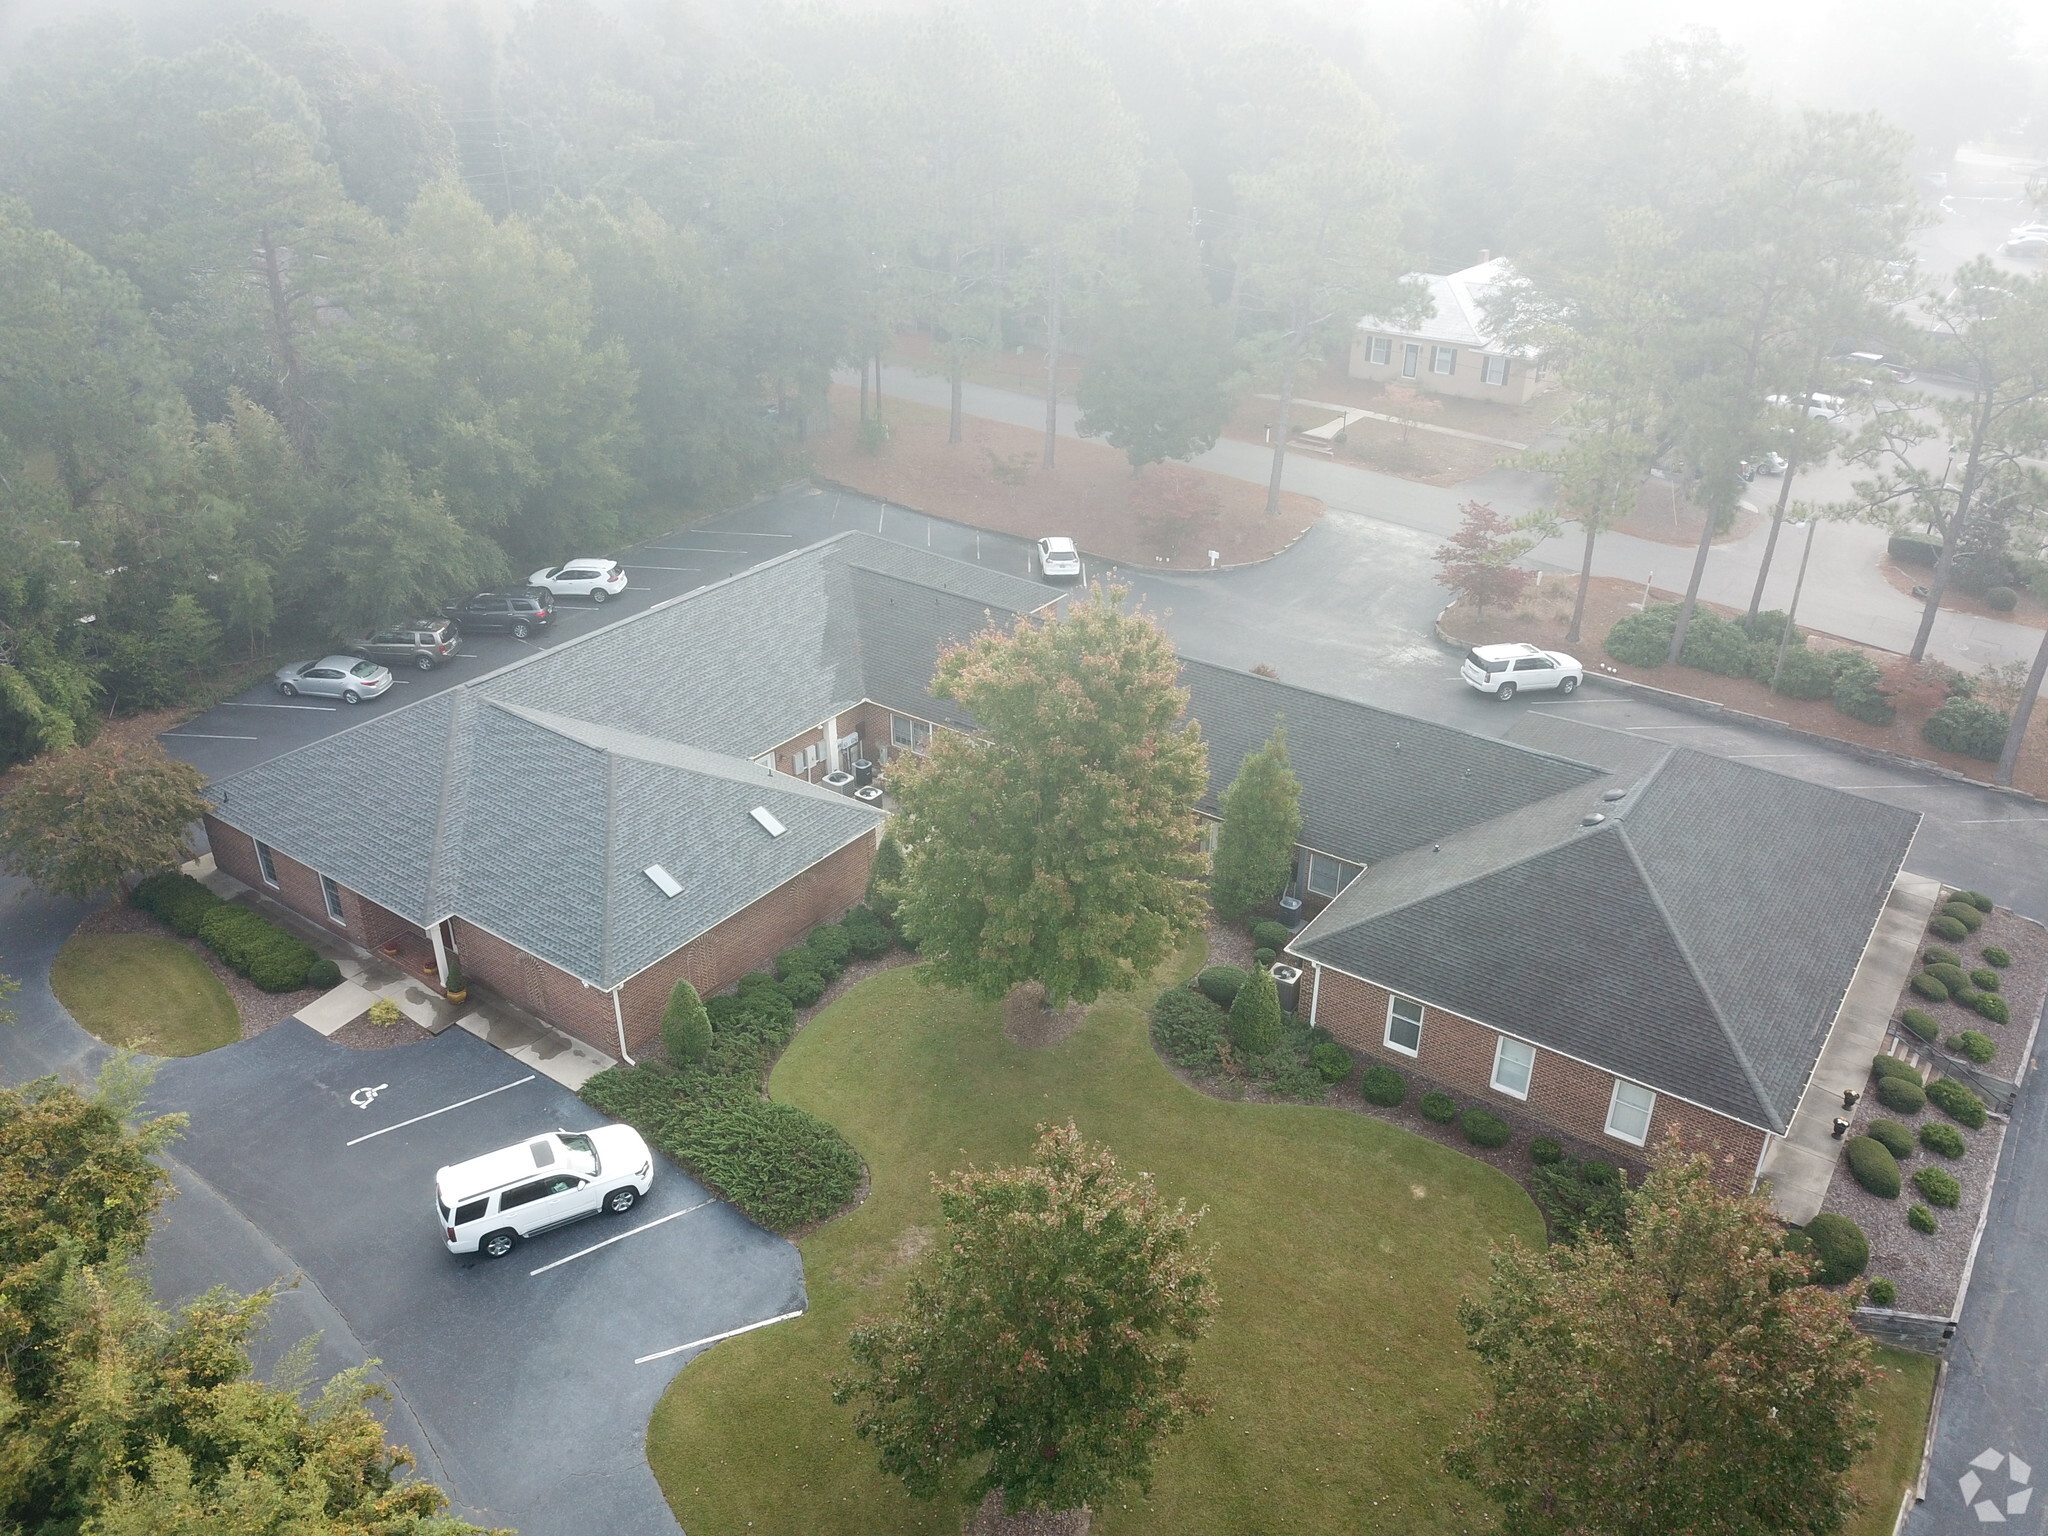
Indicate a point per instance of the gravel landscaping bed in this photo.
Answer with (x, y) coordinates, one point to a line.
(259, 1010)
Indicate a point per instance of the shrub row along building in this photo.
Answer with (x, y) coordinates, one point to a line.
(1612, 938)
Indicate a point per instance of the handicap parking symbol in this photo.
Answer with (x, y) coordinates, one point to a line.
(2018, 1485)
(363, 1098)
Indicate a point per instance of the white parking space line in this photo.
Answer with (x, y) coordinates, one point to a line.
(730, 1333)
(238, 704)
(1875, 786)
(1737, 757)
(472, 655)
(697, 549)
(1667, 727)
(743, 533)
(416, 1119)
(1993, 821)
(690, 570)
(204, 736)
(645, 1226)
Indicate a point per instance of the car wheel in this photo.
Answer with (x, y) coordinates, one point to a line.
(350, 696)
(598, 594)
(621, 1200)
(1567, 685)
(1504, 692)
(498, 1244)
(425, 663)
(519, 630)
(288, 690)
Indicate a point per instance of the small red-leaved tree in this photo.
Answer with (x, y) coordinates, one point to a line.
(1478, 564)
(1043, 1342)
(1686, 1378)
(1172, 501)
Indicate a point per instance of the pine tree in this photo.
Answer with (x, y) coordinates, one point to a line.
(686, 1026)
(1255, 1015)
(885, 877)
(1261, 824)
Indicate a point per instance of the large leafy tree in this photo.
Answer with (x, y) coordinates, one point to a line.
(1683, 1378)
(83, 821)
(1056, 841)
(1261, 825)
(1042, 1346)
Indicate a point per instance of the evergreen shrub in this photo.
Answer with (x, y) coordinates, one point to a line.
(1873, 1167)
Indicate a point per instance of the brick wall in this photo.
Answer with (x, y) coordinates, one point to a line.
(744, 942)
(1566, 1096)
(868, 721)
(298, 886)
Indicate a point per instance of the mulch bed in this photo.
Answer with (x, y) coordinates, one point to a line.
(259, 1010)
(1904, 578)
(1544, 614)
(991, 479)
(989, 1520)
(1666, 515)
(1928, 1267)
(359, 1034)
(1028, 1022)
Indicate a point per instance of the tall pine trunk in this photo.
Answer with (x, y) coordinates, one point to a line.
(1692, 587)
(2016, 733)
(1763, 575)
(1571, 636)
(1280, 423)
(1054, 275)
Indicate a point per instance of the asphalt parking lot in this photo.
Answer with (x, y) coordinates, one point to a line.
(530, 1378)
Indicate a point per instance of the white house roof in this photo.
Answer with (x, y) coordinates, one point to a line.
(1457, 300)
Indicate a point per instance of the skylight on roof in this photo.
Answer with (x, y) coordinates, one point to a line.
(663, 879)
(769, 824)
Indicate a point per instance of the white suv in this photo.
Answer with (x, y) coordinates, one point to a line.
(594, 579)
(1058, 559)
(489, 1203)
(1506, 670)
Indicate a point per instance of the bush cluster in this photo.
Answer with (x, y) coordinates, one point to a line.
(1938, 1186)
(1975, 899)
(1967, 726)
(1873, 1167)
(1545, 1150)
(1994, 956)
(1993, 1007)
(1270, 935)
(1331, 1061)
(1382, 1086)
(1945, 1139)
(1942, 926)
(1957, 1102)
(1859, 689)
(1896, 1138)
(247, 942)
(1438, 1106)
(1186, 1026)
(1882, 1293)
(1936, 955)
(1921, 1024)
(1964, 913)
(1950, 976)
(1581, 1197)
(1840, 1248)
(1483, 1129)
(1973, 1045)
(1921, 1219)
(1221, 984)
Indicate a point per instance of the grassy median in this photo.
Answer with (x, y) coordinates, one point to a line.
(138, 990)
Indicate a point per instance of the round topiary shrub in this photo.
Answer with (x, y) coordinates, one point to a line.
(1545, 1152)
(803, 987)
(1882, 1065)
(1950, 976)
(1896, 1138)
(1330, 1060)
(1973, 1045)
(2001, 599)
(1221, 984)
(1901, 1095)
(1965, 914)
(1438, 1106)
(1268, 934)
(1994, 1007)
(1840, 1247)
(1965, 995)
(1943, 926)
(867, 933)
(1939, 1186)
(1382, 1086)
(1968, 726)
(1882, 1293)
(1874, 1168)
(1995, 956)
(1936, 955)
(1945, 1139)
(1483, 1129)
(832, 944)
(1976, 899)
(1263, 956)
(1921, 1024)
(1929, 986)
(1985, 979)
(1957, 1102)
(323, 974)
(1921, 1219)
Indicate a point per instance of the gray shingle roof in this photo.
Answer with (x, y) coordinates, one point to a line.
(1372, 782)
(1698, 940)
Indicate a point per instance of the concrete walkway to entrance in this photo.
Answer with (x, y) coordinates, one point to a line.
(1801, 1163)
(366, 977)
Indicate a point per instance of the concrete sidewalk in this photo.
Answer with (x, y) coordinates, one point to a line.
(1801, 1163)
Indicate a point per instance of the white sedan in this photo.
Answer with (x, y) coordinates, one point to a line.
(1506, 670)
(348, 678)
(591, 578)
(1058, 559)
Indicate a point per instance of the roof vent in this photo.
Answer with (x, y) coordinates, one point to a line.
(663, 879)
(1615, 794)
(769, 824)
(1593, 820)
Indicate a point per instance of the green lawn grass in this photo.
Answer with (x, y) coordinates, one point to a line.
(1902, 1399)
(1343, 1247)
(139, 990)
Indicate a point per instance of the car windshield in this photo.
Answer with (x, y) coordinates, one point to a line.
(366, 669)
(582, 1154)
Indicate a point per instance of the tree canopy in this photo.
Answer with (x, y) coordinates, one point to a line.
(83, 822)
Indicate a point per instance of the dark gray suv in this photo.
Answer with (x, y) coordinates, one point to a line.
(517, 614)
(421, 643)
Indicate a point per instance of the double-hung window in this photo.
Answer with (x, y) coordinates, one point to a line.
(1513, 1061)
(1493, 369)
(265, 863)
(908, 734)
(1628, 1112)
(1443, 359)
(1378, 349)
(1328, 876)
(331, 894)
(1404, 1025)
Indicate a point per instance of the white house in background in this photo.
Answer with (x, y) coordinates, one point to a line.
(1454, 352)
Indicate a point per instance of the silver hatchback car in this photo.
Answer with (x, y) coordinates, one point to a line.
(348, 678)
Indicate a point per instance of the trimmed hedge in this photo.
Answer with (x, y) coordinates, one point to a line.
(1985, 979)
(1943, 926)
(1268, 934)
(1921, 1024)
(1994, 1007)
(1264, 956)
(1939, 1186)
(1976, 899)
(1968, 726)
(1438, 1106)
(1973, 1045)
(1882, 1065)
(1901, 1095)
(1994, 956)
(1331, 1061)
(1921, 1219)
(1957, 1102)
(1936, 955)
(1544, 1151)
(1382, 1086)
(1965, 914)
(1186, 1027)
(1896, 1139)
(251, 945)
(1840, 1246)
(868, 935)
(1483, 1129)
(1874, 1168)
(1930, 986)
(1915, 549)
(796, 960)
(1882, 1293)
(832, 944)
(1221, 984)
(1950, 976)
(1945, 1139)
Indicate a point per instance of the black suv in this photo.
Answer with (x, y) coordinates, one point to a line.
(422, 643)
(515, 613)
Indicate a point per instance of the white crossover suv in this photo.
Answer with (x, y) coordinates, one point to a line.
(594, 579)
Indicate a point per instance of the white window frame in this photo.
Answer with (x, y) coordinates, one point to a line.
(907, 733)
(1346, 873)
(266, 864)
(1493, 369)
(1379, 350)
(1503, 1048)
(1648, 1109)
(331, 894)
(1443, 360)
(1392, 1044)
